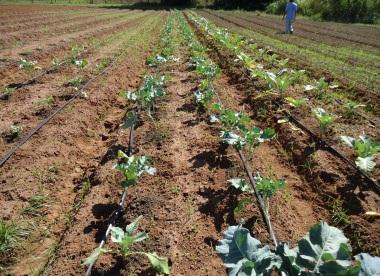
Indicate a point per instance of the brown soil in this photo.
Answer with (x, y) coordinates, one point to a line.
(64, 153)
(46, 52)
(46, 32)
(24, 107)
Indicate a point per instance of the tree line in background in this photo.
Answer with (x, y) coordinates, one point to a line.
(355, 11)
(364, 11)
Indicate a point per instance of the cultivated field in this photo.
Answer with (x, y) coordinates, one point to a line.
(238, 122)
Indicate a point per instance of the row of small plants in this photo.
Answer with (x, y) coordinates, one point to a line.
(134, 167)
(323, 251)
(165, 47)
(280, 79)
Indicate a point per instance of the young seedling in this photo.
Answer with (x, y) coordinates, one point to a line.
(267, 187)
(15, 130)
(146, 95)
(350, 108)
(27, 64)
(76, 82)
(125, 240)
(133, 167)
(255, 136)
(295, 102)
(366, 150)
(324, 119)
(46, 101)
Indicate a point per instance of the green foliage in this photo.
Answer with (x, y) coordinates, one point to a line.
(46, 101)
(125, 240)
(10, 235)
(324, 250)
(364, 11)
(324, 119)
(133, 167)
(16, 130)
(27, 64)
(268, 187)
(76, 82)
(295, 102)
(350, 107)
(152, 88)
(366, 150)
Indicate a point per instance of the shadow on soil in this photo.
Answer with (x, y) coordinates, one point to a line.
(220, 203)
(112, 153)
(214, 159)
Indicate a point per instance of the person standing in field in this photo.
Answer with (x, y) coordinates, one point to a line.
(290, 16)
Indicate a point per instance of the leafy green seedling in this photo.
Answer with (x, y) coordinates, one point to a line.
(232, 139)
(46, 101)
(133, 167)
(295, 102)
(76, 82)
(350, 108)
(27, 64)
(325, 120)
(366, 150)
(16, 130)
(146, 95)
(125, 241)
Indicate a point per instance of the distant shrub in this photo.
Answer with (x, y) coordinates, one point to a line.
(364, 11)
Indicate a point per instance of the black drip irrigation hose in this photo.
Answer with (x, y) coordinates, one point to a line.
(262, 208)
(9, 154)
(325, 145)
(116, 214)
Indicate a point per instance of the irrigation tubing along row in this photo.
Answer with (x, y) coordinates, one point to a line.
(52, 115)
(259, 198)
(116, 214)
(328, 147)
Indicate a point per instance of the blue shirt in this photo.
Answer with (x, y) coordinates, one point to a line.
(291, 10)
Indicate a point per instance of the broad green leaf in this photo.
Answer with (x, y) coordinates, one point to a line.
(365, 163)
(368, 265)
(160, 264)
(323, 240)
(132, 227)
(117, 234)
(241, 253)
(91, 260)
(240, 184)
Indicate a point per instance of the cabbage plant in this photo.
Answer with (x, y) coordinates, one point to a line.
(324, 119)
(366, 150)
(324, 250)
